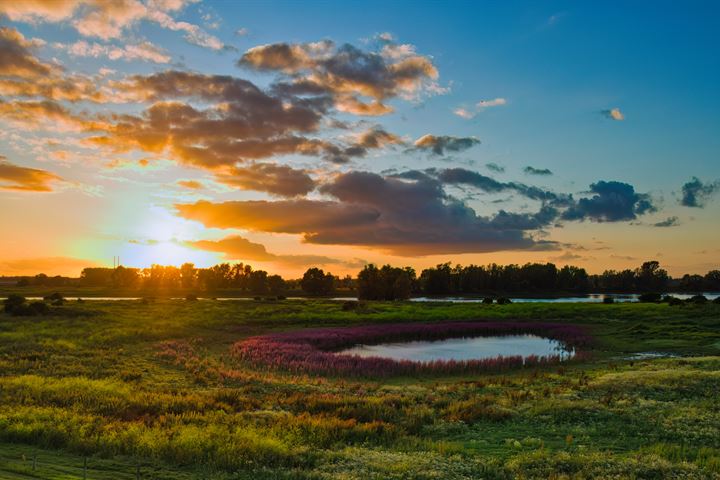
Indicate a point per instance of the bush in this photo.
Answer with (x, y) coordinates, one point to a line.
(55, 297)
(191, 297)
(608, 300)
(487, 300)
(717, 300)
(672, 301)
(352, 305)
(699, 299)
(21, 309)
(39, 308)
(650, 297)
(503, 301)
(12, 302)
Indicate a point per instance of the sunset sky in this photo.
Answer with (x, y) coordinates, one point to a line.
(333, 134)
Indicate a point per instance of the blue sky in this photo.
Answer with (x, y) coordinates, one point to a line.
(549, 73)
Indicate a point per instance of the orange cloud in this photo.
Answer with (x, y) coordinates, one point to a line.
(235, 247)
(347, 73)
(50, 266)
(190, 184)
(16, 58)
(15, 177)
(268, 177)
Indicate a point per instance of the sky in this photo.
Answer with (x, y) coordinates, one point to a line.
(295, 134)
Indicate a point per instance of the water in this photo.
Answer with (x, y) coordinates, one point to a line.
(474, 348)
(591, 298)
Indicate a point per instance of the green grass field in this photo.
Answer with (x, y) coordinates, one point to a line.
(131, 387)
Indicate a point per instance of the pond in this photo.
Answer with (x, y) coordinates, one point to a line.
(473, 348)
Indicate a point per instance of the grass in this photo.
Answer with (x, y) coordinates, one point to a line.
(124, 383)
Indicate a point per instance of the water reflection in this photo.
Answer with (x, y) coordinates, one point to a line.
(475, 348)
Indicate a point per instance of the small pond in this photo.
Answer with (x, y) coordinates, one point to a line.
(474, 348)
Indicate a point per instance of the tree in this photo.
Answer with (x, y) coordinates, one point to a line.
(276, 285)
(258, 282)
(386, 283)
(188, 275)
(316, 282)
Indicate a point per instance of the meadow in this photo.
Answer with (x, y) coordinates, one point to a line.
(155, 388)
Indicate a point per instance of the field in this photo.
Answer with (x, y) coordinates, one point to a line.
(136, 389)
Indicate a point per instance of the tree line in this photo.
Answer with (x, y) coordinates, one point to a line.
(388, 282)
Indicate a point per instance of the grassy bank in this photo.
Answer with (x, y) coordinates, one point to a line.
(125, 383)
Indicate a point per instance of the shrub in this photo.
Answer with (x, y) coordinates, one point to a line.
(717, 300)
(650, 297)
(38, 308)
(191, 297)
(57, 296)
(503, 301)
(700, 299)
(608, 300)
(13, 301)
(487, 300)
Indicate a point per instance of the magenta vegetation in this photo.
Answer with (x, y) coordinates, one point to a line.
(314, 350)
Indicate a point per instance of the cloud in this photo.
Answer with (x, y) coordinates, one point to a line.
(240, 122)
(22, 74)
(16, 57)
(360, 82)
(44, 114)
(461, 176)
(15, 177)
(668, 222)
(395, 215)
(279, 180)
(236, 247)
(696, 193)
(496, 102)
(464, 113)
(613, 114)
(109, 19)
(612, 201)
(494, 167)
(537, 171)
(190, 184)
(468, 114)
(48, 265)
(242, 32)
(439, 144)
(143, 51)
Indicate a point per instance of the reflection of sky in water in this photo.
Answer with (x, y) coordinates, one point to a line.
(464, 348)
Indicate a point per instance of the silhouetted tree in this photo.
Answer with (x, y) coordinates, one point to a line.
(276, 285)
(317, 282)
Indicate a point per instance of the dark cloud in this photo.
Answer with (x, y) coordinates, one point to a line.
(612, 201)
(236, 247)
(490, 185)
(439, 144)
(15, 177)
(282, 216)
(276, 179)
(391, 214)
(358, 81)
(494, 167)
(696, 193)
(668, 222)
(537, 171)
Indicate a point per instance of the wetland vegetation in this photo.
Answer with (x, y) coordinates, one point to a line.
(156, 383)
